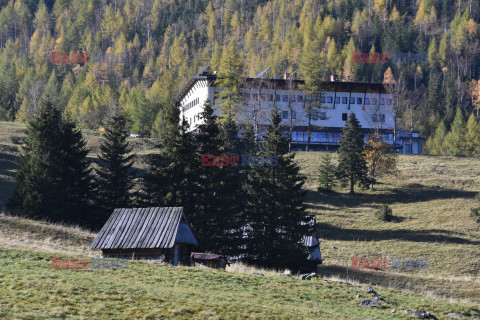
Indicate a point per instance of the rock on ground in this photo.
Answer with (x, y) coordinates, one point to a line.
(368, 303)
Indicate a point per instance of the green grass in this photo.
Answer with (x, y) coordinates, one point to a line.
(30, 289)
(430, 197)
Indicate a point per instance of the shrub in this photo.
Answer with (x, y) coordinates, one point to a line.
(384, 213)
(475, 214)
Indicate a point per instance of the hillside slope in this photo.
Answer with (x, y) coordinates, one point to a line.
(431, 199)
(31, 289)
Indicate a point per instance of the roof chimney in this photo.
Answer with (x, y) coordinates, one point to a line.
(333, 77)
(286, 76)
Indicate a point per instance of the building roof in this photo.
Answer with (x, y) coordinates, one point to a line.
(282, 84)
(144, 228)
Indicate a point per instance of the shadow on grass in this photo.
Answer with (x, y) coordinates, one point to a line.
(445, 289)
(408, 194)
(8, 165)
(329, 232)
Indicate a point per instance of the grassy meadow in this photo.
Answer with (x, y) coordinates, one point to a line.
(431, 199)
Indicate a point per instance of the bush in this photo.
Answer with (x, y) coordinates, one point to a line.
(384, 213)
(475, 214)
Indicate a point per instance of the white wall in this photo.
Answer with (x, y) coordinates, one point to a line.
(202, 91)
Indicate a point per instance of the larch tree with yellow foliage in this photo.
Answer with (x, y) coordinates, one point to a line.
(381, 158)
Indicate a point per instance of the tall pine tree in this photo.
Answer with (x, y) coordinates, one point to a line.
(115, 182)
(54, 181)
(352, 167)
(277, 221)
(170, 180)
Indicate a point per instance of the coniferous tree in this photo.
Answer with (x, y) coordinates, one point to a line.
(169, 181)
(436, 143)
(352, 168)
(54, 180)
(207, 213)
(472, 137)
(230, 72)
(455, 139)
(313, 68)
(231, 196)
(326, 173)
(277, 221)
(115, 182)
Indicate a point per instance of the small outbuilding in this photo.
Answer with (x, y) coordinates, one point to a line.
(159, 233)
(209, 260)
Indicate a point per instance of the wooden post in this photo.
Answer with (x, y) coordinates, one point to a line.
(176, 254)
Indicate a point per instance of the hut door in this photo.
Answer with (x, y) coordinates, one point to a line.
(176, 254)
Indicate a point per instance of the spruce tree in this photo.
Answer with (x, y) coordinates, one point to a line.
(352, 168)
(472, 137)
(54, 180)
(277, 221)
(326, 173)
(170, 180)
(231, 196)
(207, 209)
(455, 139)
(115, 182)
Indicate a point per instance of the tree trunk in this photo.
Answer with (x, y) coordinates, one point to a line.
(308, 136)
(351, 185)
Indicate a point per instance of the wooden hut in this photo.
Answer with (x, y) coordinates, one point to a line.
(147, 233)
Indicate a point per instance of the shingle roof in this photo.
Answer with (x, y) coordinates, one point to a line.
(144, 228)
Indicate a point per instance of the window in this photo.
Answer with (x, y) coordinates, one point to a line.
(367, 101)
(344, 100)
(389, 101)
(352, 100)
(359, 100)
(285, 114)
(270, 97)
(381, 117)
(374, 102)
(285, 98)
(277, 97)
(262, 97)
(329, 99)
(247, 96)
(315, 98)
(381, 101)
(294, 115)
(300, 98)
(315, 116)
(374, 118)
(292, 98)
(337, 99)
(323, 116)
(344, 117)
(255, 97)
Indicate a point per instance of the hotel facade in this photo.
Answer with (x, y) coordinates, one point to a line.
(370, 103)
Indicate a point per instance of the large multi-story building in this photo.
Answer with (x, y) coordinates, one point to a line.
(370, 103)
